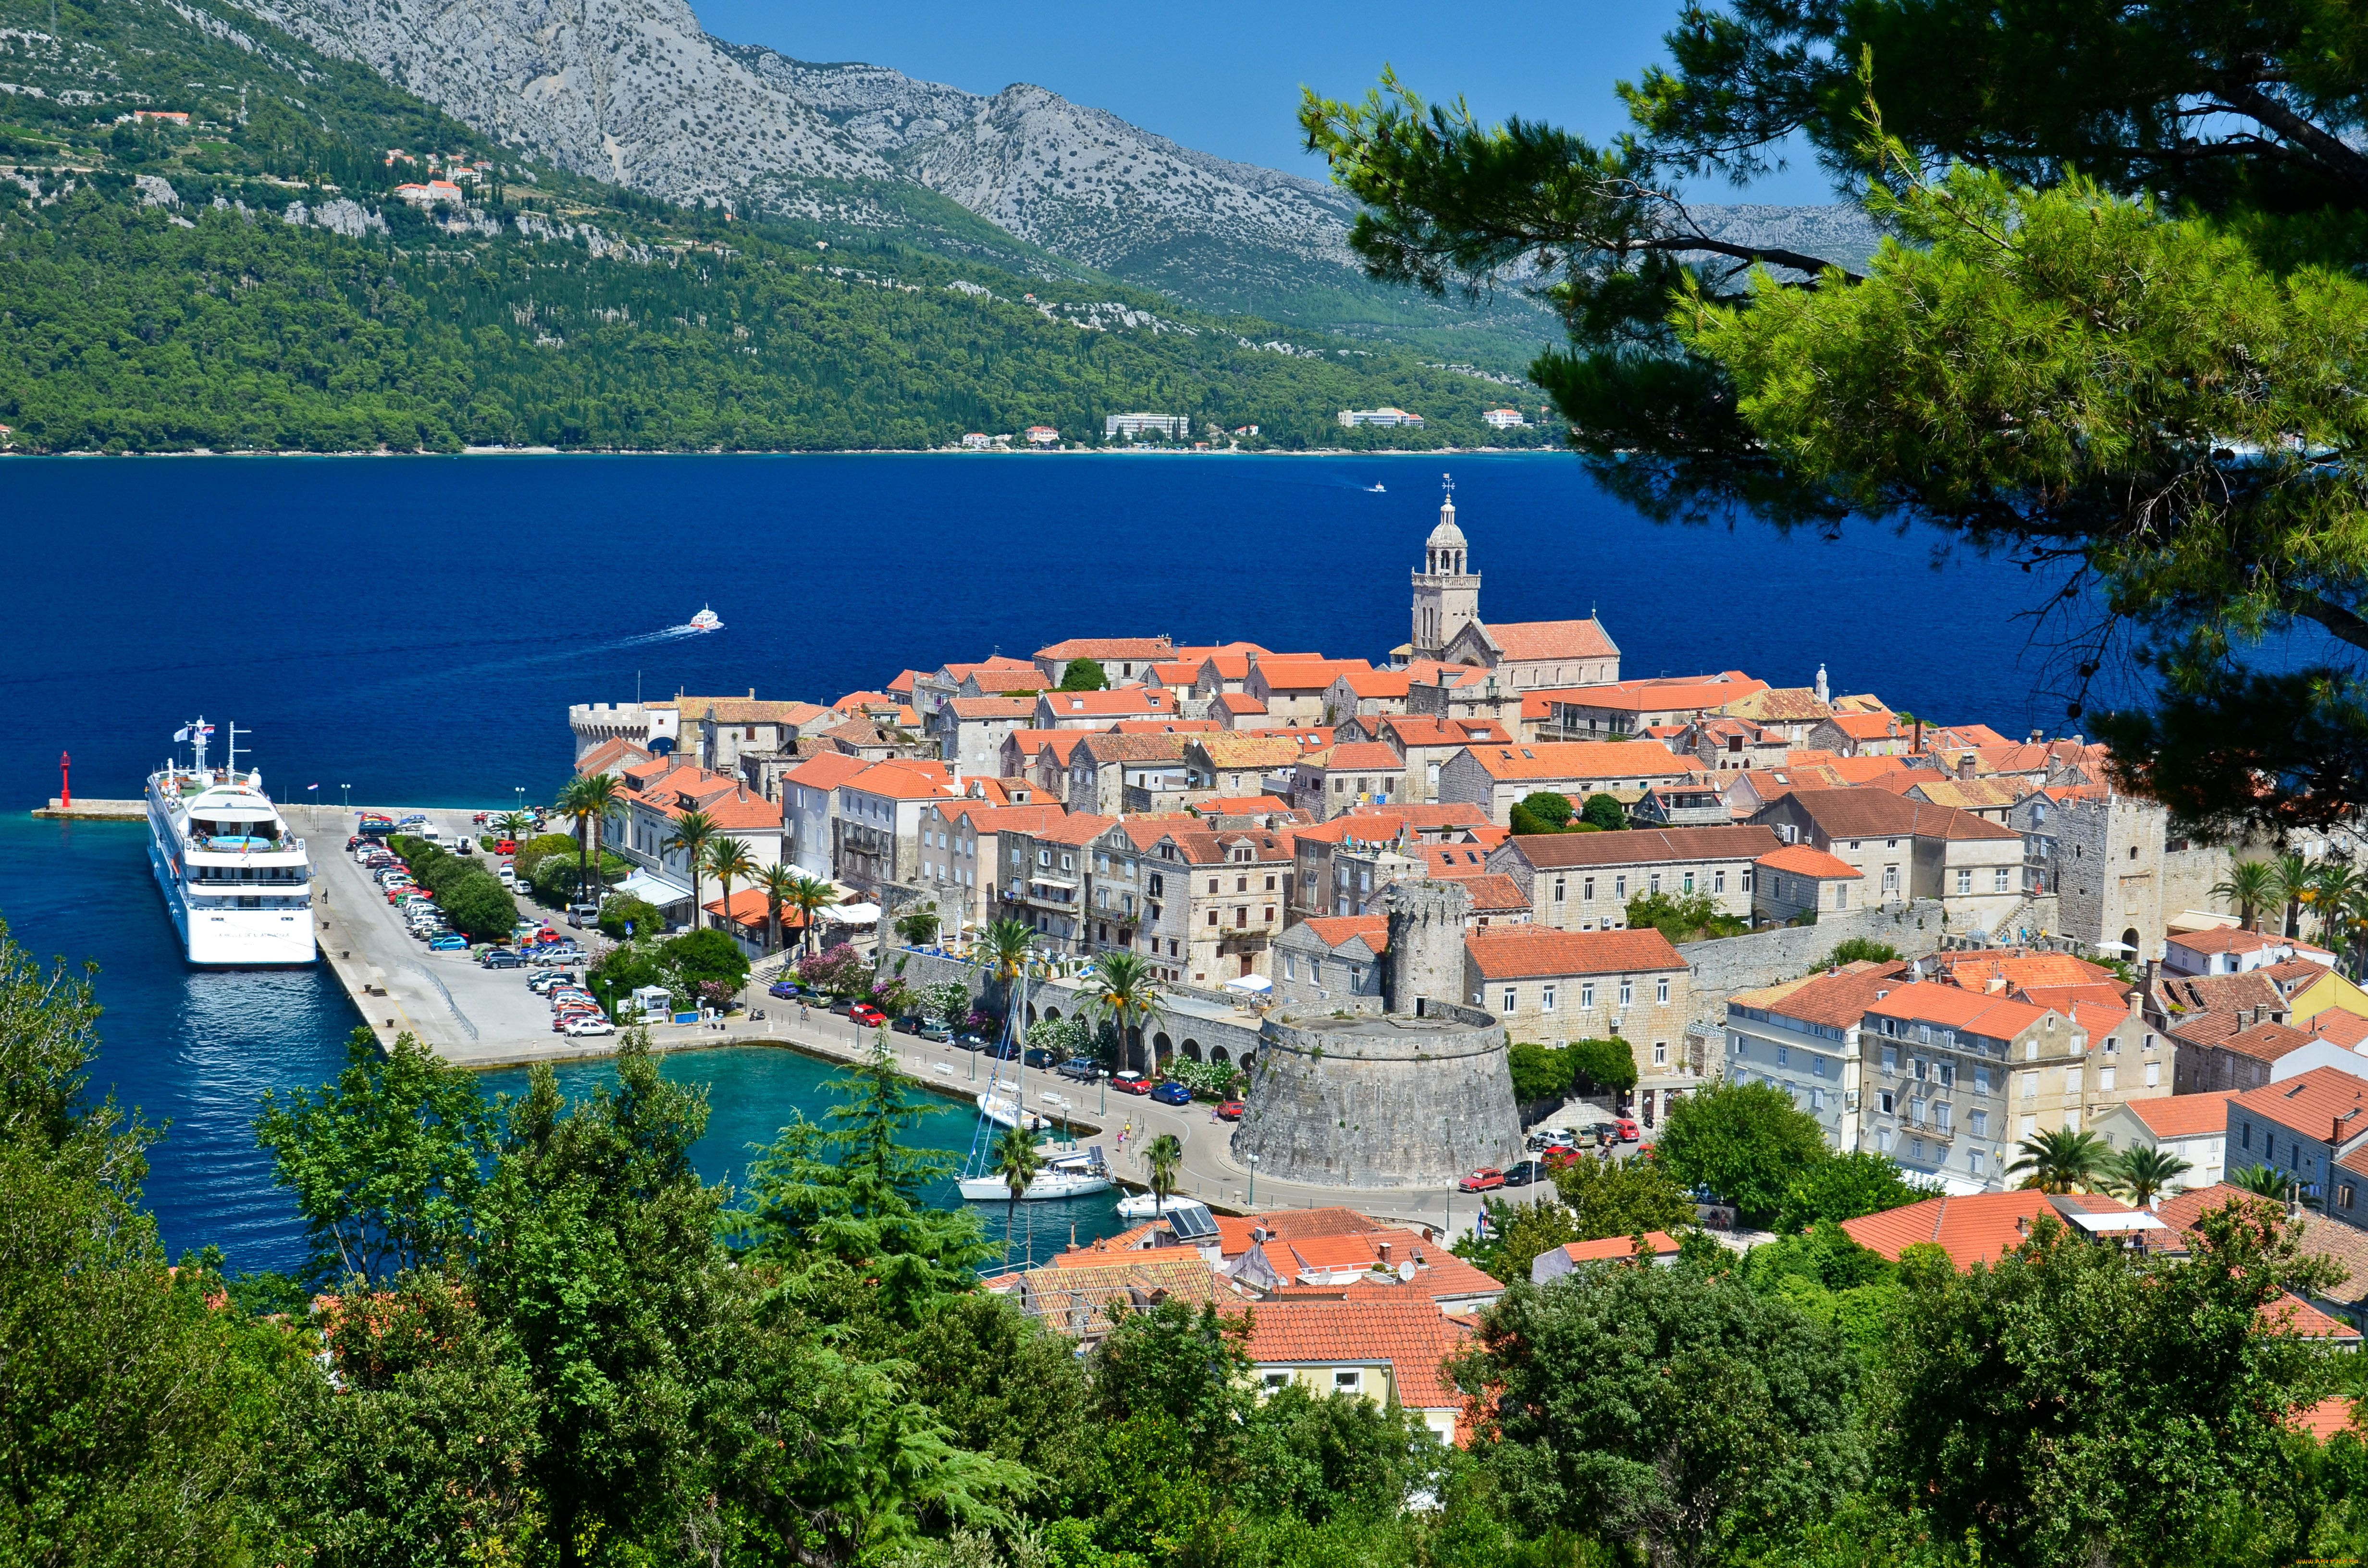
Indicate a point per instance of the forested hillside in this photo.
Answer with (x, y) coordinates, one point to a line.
(248, 280)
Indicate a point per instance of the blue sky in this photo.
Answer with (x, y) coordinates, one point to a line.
(1227, 80)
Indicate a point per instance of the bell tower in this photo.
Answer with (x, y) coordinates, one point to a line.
(1446, 593)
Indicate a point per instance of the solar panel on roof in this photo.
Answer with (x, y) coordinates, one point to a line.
(1192, 1223)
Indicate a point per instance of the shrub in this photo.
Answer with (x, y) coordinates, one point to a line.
(1602, 1064)
(839, 971)
(1540, 1072)
(1604, 811)
(948, 1002)
(534, 851)
(1860, 950)
(1084, 675)
(705, 955)
(1209, 1080)
(1063, 1038)
(1547, 810)
(480, 908)
(1682, 917)
(642, 916)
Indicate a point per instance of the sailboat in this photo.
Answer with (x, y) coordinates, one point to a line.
(1070, 1172)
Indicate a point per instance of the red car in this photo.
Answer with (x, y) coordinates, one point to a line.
(1131, 1083)
(1627, 1125)
(863, 1015)
(1230, 1110)
(1487, 1179)
(505, 846)
(1558, 1156)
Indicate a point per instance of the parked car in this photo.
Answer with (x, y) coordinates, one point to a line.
(1525, 1172)
(843, 1005)
(591, 1025)
(863, 1015)
(1557, 1157)
(582, 915)
(1232, 1110)
(561, 951)
(1037, 1056)
(968, 1040)
(906, 1023)
(447, 942)
(1004, 1050)
(1487, 1179)
(936, 1031)
(782, 988)
(1626, 1129)
(501, 958)
(507, 877)
(1083, 1069)
(1551, 1137)
(1130, 1083)
(505, 846)
(1172, 1093)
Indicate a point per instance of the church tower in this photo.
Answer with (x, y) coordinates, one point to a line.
(1445, 593)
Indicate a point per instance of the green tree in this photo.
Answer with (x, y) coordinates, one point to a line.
(1123, 992)
(2061, 1160)
(706, 957)
(1845, 1187)
(1015, 1161)
(1544, 811)
(946, 1002)
(1163, 1158)
(1083, 675)
(728, 861)
(1989, 371)
(385, 1163)
(917, 926)
(1540, 1072)
(481, 909)
(1859, 950)
(780, 883)
(1622, 1198)
(1517, 1234)
(693, 831)
(1602, 1063)
(2038, 1393)
(2296, 883)
(625, 915)
(1745, 1141)
(1682, 917)
(2252, 886)
(590, 800)
(2266, 1181)
(2141, 1174)
(1604, 811)
(811, 895)
(515, 827)
(1675, 1413)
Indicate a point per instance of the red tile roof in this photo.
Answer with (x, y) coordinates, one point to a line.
(1878, 814)
(1808, 860)
(1293, 1224)
(1496, 893)
(1837, 1000)
(1976, 1229)
(1413, 1338)
(1612, 1249)
(2313, 1104)
(993, 707)
(1101, 704)
(1975, 1012)
(1583, 760)
(1524, 953)
(1238, 702)
(827, 771)
(1371, 756)
(1549, 640)
(1647, 845)
(2267, 1042)
(898, 780)
(2344, 1029)
(1708, 692)
(1453, 862)
(2184, 1116)
(1336, 930)
(1134, 648)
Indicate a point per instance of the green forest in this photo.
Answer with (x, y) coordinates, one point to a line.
(168, 287)
(528, 1333)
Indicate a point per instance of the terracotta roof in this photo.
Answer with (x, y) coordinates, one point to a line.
(2266, 1043)
(1453, 862)
(2018, 966)
(749, 710)
(1413, 1338)
(1429, 817)
(1550, 639)
(1981, 1228)
(1108, 648)
(1429, 732)
(1306, 737)
(2184, 1116)
(1878, 814)
(2311, 1103)
(1306, 675)
(1060, 743)
(894, 781)
(1611, 1249)
(1238, 702)
(827, 771)
(2336, 1413)
(1104, 704)
(1078, 827)
(1350, 826)
(2344, 1029)
(2225, 939)
(749, 909)
(1177, 672)
(1881, 770)
(1108, 748)
(1709, 692)
(2182, 995)
(2181, 1211)
(1525, 952)
(1336, 930)
(1371, 756)
(1644, 846)
(1238, 750)
(1582, 759)
(1293, 1224)
(1076, 1301)
(1241, 805)
(1808, 860)
(1791, 704)
(1165, 727)
(993, 707)
(1211, 846)
(2291, 1314)
(1374, 683)
(1971, 794)
(1836, 1000)
(1494, 893)
(612, 754)
(1867, 726)
(1975, 1012)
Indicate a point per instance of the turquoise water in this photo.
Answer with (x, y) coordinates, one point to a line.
(751, 1092)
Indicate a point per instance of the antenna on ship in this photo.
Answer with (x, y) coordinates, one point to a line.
(198, 733)
(229, 759)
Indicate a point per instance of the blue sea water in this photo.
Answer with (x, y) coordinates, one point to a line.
(415, 628)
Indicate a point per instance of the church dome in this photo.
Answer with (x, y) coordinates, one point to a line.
(1446, 536)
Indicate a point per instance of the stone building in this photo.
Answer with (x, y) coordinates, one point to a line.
(1100, 709)
(1446, 591)
(1424, 745)
(997, 677)
(655, 797)
(1214, 901)
(1957, 1078)
(809, 796)
(2103, 854)
(969, 732)
(1625, 709)
(1803, 1037)
(1350, 774)
(1232, 765)
(1552, 987)
(1907, 850)
(1497, 778)
(1582, 882)
(1046, 873)
(1330, 963)
(1122, 659)
(1796, 879)
(1415, 1096)
(878, 822)
(961, 848)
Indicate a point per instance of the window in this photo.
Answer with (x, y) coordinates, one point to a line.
(1620, 885)
(2105, 1076)
(1661, 990)
(2148, 1043)
(1817, 1099)
(2071, 1080)
(1278, 1380)
(1981, 1080)
(1916, 1147)
(2001, 875)
(1964, 880)
(1241, 884)
(1587, 993)
(1348, 1381)
(2247, 1134)
(1660, 1053)
(1212, 884)
(2031, 1085)
(1690, 882)
(1783, 1055)
(1883, 1100)
(1941, 1113)
(1817, 1066)
(1718, 882)
(1044, 856)
(1890, 1058)
(1155, 886)
(1269, 884)
(1890, 877)
(1212, 917)
(1978, 1124)
(1627, 992)
(1562, 886)
(1974, 1161)
(1883, 1140)
(2112, 1045)
(1587, 890)
(1653, 882)
(1746, 880)
(1512, 999)
(1547, 998)
(2342, 1192)
(2154, 1075)
(1065, 863)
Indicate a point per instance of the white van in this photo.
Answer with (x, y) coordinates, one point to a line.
(431, 835)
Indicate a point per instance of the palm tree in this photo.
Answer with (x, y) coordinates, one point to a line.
(2141, 1174)
(2335, 888)
(728, 859)
(1015, 1161)
(1124, 991)
(2060, 1160)
(811, 895)
(692, 832)
(515, 827)
(918, 925)
(590, 802)
(2252, 886)
(780, 883)
(1166, 1158)
(2294, 877)
(2266, 1181)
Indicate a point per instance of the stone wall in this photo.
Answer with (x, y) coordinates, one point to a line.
(1389, 1102)
(1725, 965)
(1426, 951)
(1198, 1024)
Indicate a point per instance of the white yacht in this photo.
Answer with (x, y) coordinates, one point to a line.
(1072, 1174)
(706, 620)
(237, 880)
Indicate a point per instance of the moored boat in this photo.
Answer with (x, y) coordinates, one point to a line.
(1077, 1173)
(237, 881)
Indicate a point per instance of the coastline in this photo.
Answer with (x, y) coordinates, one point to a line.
(818, 452)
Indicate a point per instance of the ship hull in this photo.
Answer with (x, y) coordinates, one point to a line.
(215, 932)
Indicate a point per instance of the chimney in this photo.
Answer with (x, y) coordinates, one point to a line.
(1965, 765)
(1382, 1248)
(2036, 736)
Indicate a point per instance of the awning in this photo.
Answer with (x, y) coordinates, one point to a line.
(1251, 983)
(654, 889)
(2191, 920)
(851, 914)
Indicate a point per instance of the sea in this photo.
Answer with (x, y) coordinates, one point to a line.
(411, 631)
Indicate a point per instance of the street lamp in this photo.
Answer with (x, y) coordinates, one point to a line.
(1253, 1160)
(348, 791)
(520, 791)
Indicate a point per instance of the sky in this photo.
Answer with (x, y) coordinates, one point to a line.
(1226, 81)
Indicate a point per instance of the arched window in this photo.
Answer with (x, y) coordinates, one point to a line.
(1162, 1048)
(1052, 1013)
(1248, 1059)
(1191, 1049)
(1032, 1012)
(1217, 1054)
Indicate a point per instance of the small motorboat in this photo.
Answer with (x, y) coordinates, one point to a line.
(1004, 1110)
(1376, 490)
(1079, 1173)
(705, 620)
(1139, 1206)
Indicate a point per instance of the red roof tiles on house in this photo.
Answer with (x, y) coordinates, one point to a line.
(1524, 953)
(1980, 1227)
(1413, 1338)
(1808, 860)
(2185, 1115)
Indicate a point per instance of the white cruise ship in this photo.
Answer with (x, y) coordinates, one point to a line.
(238, 882)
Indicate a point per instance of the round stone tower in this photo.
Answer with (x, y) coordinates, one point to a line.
(1416, 1096)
